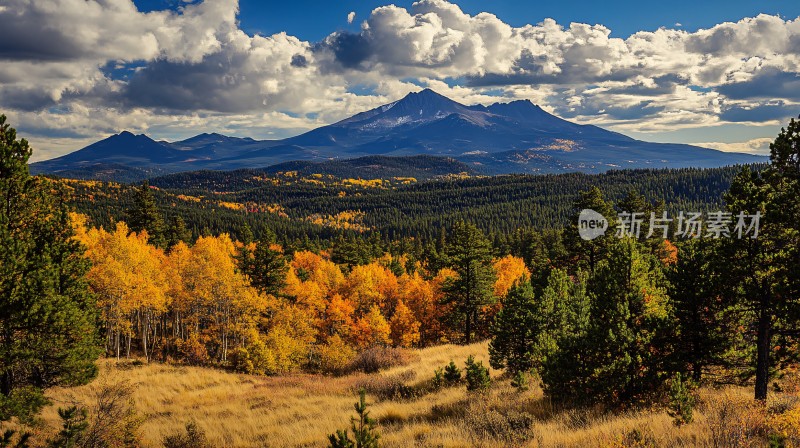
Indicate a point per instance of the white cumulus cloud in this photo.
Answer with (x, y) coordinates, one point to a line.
(73, 70)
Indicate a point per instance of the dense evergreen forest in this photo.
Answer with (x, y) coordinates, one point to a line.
(400, 208)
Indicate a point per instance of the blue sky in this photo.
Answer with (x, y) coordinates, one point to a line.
(717, 74)
(313, 20)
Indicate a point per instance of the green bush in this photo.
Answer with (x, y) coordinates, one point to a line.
(681, 400)
(477, 375)
(520, 381)
(452, 374)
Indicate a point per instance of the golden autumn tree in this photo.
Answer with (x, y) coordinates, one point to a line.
(310, 280)
(185, 334)
(404, 326)
(128, 276)
(338, 318)
(289, 338)
(371, 284)
(318, 269)
(221, 304)
(335, 354)
(79, 223)
(372, 329)
(509, 269)
(423, 297)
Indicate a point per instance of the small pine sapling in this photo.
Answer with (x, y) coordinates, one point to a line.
(363, 427)
(477, 375)
(452, 374)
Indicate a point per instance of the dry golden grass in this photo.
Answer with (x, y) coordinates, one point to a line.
(301, 410)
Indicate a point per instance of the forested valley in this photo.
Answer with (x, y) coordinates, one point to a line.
(354, 284)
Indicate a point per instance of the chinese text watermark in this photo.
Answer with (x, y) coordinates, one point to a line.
(717, 224)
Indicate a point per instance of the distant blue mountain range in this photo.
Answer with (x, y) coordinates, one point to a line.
(515, 137)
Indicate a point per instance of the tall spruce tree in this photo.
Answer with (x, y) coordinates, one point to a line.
(469, 253)
(620, 356)
(763, 273)
(706, 317)
(47, 315)
(267, 268)
(144, 215)
(516, 330)
(589, 253)
(177, 232)
(529, 330)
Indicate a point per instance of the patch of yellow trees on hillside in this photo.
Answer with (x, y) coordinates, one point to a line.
(193, 304)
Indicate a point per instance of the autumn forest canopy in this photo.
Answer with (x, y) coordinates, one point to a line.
(284, 273)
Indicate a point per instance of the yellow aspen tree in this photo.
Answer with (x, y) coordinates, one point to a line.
(289, 338)
(129, 279)
(372, 284)
(404, 326)
(372, 329)
(223, 304)
(509, 269)
(317, 269)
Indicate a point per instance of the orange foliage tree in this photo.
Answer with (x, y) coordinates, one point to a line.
(372, 329)
(423, 297)
(404, 326)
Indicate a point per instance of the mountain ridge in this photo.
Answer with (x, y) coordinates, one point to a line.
(502, 138)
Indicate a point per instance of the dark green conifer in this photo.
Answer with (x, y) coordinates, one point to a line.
(47, 315)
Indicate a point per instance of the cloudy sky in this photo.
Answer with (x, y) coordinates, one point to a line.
(724, 74)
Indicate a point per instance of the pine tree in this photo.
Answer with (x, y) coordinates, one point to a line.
(47, 315)
(477, 375)
(621, 355)
(528, 330)
(6, 439)
(590, 253)
(144, 215)
(705, 316)
(267, 268)
(351, 252)
(681, 400)
(74, 424)
(470, 255)
(452, 374)
(763, 273)
(363, 427)
(516, 330)
(177, 232)
(520, 381)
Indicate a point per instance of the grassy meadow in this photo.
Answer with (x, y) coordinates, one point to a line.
(300, 410)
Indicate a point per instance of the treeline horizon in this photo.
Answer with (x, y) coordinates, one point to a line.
(417, 214)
